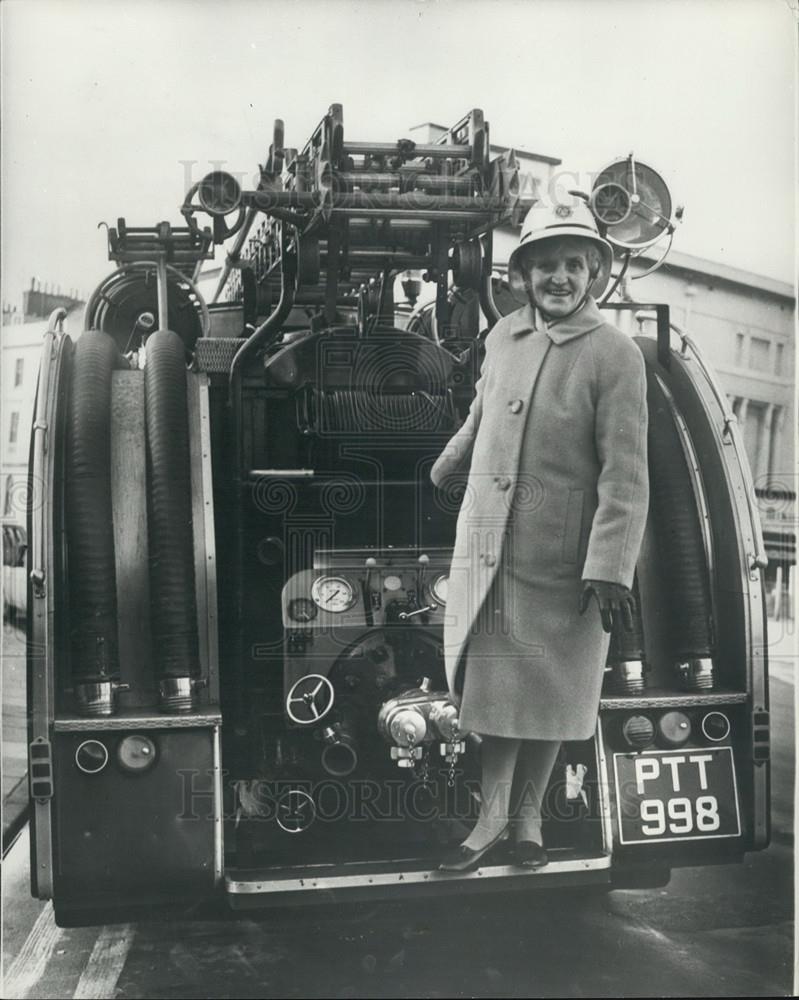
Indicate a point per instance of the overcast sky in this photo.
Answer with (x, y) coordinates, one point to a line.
(103, 102)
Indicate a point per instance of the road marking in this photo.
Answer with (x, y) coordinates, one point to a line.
(28, 967)
(99, 979)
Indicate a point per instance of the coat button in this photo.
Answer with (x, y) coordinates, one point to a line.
(490, 559)
(516, 405)
(503, 483)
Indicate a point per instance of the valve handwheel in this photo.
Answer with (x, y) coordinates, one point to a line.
(309, 699)
(295, 811)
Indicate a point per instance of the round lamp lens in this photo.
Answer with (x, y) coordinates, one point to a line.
(638, 731)
(136, 754)
(674, 729)
(91, 756)
(716, 726)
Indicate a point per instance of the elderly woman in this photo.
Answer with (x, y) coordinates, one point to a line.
(553, 515)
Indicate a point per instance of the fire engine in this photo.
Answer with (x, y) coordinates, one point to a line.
(237, 569)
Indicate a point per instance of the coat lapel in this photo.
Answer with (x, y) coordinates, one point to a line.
(524, 358)
(584, 321)
(528, 320)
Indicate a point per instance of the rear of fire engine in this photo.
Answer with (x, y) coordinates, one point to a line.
(238, 563)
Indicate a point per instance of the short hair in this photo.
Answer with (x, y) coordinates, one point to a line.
(593, 258)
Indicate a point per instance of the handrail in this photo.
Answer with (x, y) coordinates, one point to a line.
(39, 433)
(759, 559)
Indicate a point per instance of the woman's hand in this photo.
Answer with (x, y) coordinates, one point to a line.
(616, 602)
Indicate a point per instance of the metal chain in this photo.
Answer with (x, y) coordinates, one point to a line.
(451, 772)
(421, 771)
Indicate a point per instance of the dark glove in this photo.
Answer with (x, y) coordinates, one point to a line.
(616, 602)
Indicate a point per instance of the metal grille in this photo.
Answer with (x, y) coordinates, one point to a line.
(353, 411)
(215, 354)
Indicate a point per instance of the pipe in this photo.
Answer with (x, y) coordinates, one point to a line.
(413, 200)
(161, 283)
(271, 325)
(410, 181)
(438, 151)
(173, 604)
(235, 253)
(486, 290)
(263, 334)
(340, 754)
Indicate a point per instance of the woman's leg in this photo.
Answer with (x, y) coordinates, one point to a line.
(499, 762)
(536, 761)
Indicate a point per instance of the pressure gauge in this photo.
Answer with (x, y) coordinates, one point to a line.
(392, 582)
(333, 593)
(302, 610)
(438, 588)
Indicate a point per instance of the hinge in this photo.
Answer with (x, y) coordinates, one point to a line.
(40, 769)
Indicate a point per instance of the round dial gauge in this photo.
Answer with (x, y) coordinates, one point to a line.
(392, 582)
(333, 593)
(302, 610)
(438, 588)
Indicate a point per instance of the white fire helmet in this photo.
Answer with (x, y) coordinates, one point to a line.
(569, 217)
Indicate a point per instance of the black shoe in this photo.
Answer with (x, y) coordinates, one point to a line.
(529, 854)
(465, 859)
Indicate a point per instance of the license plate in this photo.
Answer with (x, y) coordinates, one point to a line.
(676, 795)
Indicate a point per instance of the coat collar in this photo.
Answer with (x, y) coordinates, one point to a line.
(528, 319)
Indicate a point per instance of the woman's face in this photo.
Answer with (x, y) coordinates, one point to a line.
(559, 276)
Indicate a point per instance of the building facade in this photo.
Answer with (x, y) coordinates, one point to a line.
(20, 354)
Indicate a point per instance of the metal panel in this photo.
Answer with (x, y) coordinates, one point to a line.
(604, 790)
(137, 719)
(151, 834)
(131, 550)
(324, 880)
(203, 525)
(42, 649)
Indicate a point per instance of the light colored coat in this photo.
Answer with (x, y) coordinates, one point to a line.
(555, 445)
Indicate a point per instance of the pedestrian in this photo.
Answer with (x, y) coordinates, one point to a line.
(553, 515)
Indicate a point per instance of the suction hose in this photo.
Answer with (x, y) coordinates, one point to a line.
(681, 546)
(89, 525)
(173, 603)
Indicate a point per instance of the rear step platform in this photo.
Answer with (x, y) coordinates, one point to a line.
(248, 888)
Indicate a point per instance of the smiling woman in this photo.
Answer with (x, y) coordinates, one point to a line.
(561, 259)
(562, 399)
(559, 278)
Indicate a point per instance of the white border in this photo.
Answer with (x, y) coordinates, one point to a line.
(670, 840)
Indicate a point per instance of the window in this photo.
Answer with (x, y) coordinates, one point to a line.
(13, 429)
(779, 350)
(776, 440)
(19, 367)
(753, 435)
(759, 354)
(740, 343)
(8, 503)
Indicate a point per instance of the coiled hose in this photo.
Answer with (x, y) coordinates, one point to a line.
(678, 531)
(173, 603)
(89, 522)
